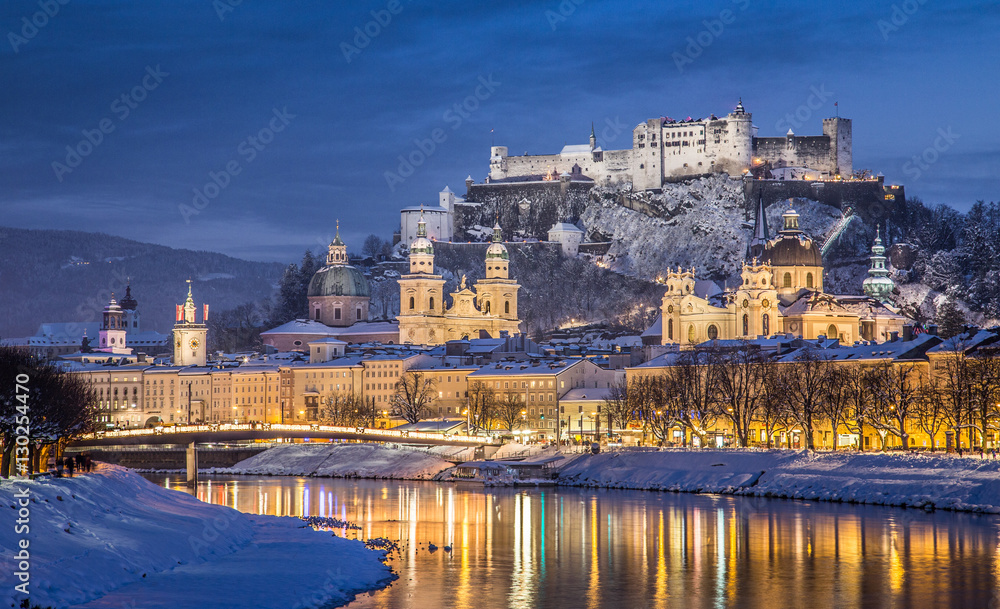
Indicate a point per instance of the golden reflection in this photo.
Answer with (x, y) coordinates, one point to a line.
(565, 547)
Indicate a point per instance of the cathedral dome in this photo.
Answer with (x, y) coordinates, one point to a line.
(421, 245)
(792, 248)
(792, 251)
(339, 280)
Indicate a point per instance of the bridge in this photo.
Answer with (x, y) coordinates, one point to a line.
(224, 433)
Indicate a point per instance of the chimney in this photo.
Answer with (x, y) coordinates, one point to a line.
(907, 332)
(893, 337)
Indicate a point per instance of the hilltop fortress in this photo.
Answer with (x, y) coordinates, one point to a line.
(664, 149)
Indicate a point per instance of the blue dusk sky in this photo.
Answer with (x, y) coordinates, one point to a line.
(249, 128)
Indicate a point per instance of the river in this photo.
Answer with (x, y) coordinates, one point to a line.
(565, 547)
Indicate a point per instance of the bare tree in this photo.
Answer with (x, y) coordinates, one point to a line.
(931, 409)
(482, 405)
(510, 410)
(348, 410)
(955, 373)
(771, 411)
(836, 404)
(41, 404)
(897, 392)
(736, 376)
(413, 396)
(697, 408)
(805, 386)
(372, 246)
(984, 393)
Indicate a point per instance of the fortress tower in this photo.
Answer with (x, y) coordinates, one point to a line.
(839, 131)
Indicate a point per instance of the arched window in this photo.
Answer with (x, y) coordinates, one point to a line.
(670, 329)
(691, 333)
(809, 280)
(713, 332)
(486, 307)
(432, 303)
(786, 282)
(746, 324)
(506, 307)
(765, 325)
(411, 303)
(832, 332)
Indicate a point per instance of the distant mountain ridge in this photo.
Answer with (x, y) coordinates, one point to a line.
(68, 276)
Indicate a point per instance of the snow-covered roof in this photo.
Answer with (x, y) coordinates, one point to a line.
(434, 209)
(965, 342)
(329, 340)
(302, 326)
(587, 393)
(656, 329)
(576, 149)
(565, 227)
(527, 368)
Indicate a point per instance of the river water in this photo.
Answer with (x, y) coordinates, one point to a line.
(565, 547)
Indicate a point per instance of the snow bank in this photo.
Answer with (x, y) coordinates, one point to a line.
(340, 461)
(113, 539)
(914, 480)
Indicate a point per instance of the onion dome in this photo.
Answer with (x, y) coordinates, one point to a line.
(878, 285)
(497, 250)
(421, 245)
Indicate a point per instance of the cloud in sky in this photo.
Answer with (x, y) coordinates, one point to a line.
(560, 65)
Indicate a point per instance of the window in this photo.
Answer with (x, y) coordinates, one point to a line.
(506, 307)
(713, 332)
(486, 308)
(359, 314)
(316, 317)
(746, 324)
(786, 281)
(670, 329)
(411, 303)
(432, 303)
(336, 313)
(809, 280)
(691, 333)
(765, 324)
(832, 332)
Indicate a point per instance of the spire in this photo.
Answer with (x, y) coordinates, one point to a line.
(497, 235)
(761, 233)
(128, 303)
(421, 225)
(878, 285)
(337, 252)
(593, 137)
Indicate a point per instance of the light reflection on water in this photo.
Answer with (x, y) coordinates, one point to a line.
(565, 547)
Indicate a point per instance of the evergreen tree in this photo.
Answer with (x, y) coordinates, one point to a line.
(950, 319)
(288, 297)
(307, 269)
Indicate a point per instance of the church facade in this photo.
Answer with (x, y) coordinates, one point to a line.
(781, 292)
(490, 306)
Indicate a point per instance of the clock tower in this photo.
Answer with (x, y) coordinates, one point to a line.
(189, 336)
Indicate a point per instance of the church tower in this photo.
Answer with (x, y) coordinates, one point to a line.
(130, 311)
(421, 294)
(761, 234)
(112, 335)
(189, 335)
(878, 285)
(497, 294)
(338, 293)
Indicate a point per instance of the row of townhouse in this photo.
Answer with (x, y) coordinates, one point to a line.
(142, 395)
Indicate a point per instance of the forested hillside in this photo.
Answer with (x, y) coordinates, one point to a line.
(68, 276)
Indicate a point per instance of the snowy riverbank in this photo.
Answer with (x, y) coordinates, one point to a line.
(113, 539)
(912, 480)
(341, 461)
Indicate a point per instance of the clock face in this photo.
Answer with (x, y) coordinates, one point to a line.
(746, 303)
(766, 303)
(194, 343)
(670, 308)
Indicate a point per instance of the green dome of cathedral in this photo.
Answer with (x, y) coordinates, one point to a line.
(339, 280)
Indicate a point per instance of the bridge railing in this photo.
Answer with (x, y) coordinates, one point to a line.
(333, 429)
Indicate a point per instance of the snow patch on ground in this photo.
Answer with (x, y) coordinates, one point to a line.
(913, 480)
(341, 461)
(113, 539)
